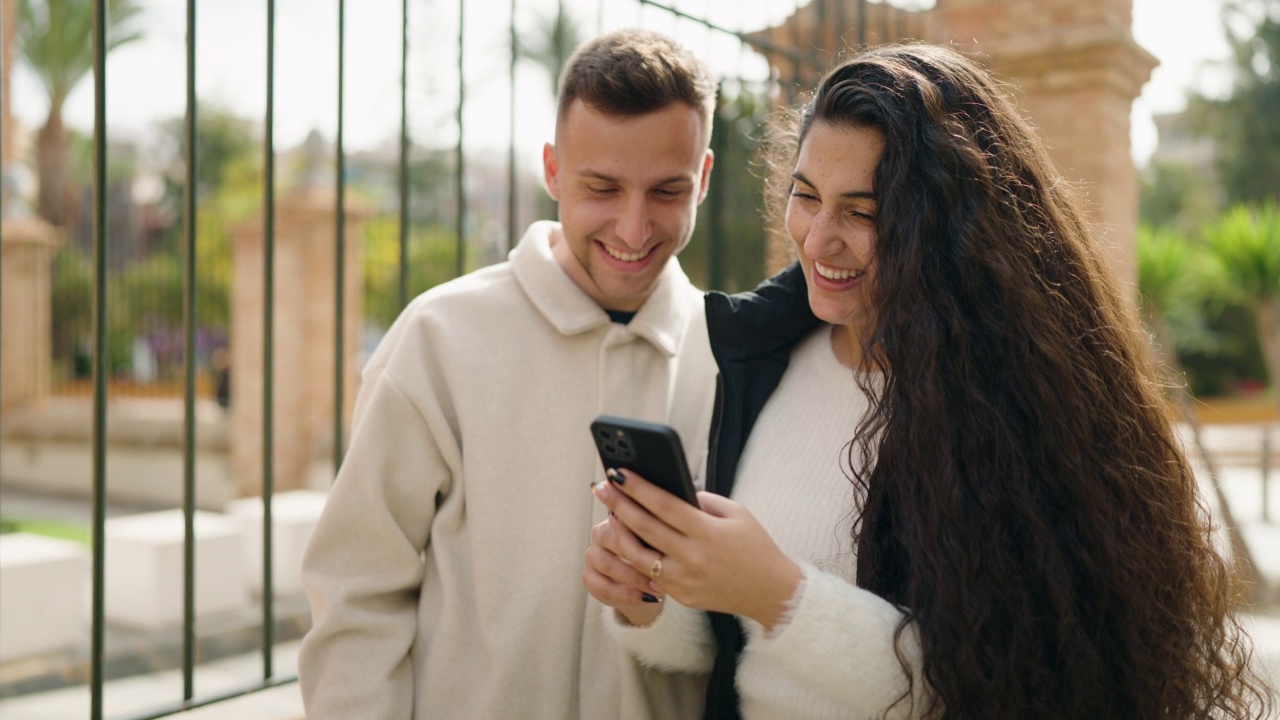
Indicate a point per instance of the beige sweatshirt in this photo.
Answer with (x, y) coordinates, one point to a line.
(445, 572)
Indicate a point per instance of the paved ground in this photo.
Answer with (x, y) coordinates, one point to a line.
(1238, 448)
(145, 693)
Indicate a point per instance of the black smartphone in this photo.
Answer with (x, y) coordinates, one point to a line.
(651, 450)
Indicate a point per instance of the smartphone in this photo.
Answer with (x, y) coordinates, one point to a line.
(651, 450)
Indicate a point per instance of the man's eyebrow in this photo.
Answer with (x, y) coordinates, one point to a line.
(852, 194)
(673, 180)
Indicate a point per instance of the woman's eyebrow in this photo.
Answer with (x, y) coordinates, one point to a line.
(852, 194)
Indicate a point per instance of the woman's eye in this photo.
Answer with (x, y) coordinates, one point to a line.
(803, 195)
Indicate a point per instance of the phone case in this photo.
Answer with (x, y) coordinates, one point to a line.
(650, 450)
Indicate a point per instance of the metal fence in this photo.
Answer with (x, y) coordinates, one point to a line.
(728, 251)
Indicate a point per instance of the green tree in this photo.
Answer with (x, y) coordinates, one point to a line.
(1244, 124)
(1169, 280)
(57, 44)
(1245, 247)
(1178, 197)
(430, 262)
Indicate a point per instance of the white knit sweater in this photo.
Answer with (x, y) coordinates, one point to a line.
(445, 572)
(832, 656)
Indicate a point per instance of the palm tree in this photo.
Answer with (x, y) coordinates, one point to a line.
(553, 39)
(1245, 246)
(57, 44)
(1168, 282)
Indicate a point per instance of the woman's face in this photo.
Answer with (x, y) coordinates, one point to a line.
(831, 219)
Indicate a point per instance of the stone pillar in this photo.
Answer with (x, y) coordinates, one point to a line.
(26, 350)
(1074, 65)
(1078, 70)
(304, 337)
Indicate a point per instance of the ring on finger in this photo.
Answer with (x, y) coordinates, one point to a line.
(655, 570)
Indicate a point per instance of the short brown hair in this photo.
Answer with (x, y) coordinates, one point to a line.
(634, 72)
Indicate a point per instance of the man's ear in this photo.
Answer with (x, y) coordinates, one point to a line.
(551, 171)
(704, 182)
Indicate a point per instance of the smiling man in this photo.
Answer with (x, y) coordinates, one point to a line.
(445, 573)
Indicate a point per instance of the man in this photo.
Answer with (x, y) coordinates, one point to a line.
(445, 573)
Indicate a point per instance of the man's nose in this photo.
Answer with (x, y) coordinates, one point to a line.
(634, 227)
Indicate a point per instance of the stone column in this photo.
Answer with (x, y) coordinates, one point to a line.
(26, 351)
(1074, 66)
(304, 337)
(1077, 70)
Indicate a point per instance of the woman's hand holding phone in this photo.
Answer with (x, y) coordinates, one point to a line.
(716, 558)
(614, 581)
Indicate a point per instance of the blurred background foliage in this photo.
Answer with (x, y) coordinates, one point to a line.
(1209, 245)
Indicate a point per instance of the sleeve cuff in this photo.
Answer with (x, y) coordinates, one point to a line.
(839, 640)
(679, 640)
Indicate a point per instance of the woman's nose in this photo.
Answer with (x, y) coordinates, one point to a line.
(823, 240)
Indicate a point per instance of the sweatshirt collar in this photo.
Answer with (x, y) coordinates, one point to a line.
(662, 320)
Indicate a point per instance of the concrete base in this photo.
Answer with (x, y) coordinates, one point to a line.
(144, 568)
(44, 594)
(49, 449)
(293, 515)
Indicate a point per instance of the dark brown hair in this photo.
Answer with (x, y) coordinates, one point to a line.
(1023, 496)
(634, 72)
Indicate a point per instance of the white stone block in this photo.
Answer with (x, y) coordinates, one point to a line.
(144, 567)
(293, 517)
(44, 595)
(1263, 540)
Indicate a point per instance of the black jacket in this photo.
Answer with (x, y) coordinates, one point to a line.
(752, 334)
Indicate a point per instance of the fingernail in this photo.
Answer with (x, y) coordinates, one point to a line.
(615, 477)
(599, 489)
(649, 598)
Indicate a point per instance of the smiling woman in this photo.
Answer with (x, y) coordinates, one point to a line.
(831, 219)
(954, 488)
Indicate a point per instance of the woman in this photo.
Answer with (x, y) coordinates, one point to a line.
(1029, 541)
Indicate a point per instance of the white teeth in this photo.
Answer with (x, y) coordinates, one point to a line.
(626, 257)
(838, 274)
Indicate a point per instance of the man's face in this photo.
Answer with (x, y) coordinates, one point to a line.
(629, 189)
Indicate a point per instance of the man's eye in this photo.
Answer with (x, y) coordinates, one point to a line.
(667, 192)
(600, 190)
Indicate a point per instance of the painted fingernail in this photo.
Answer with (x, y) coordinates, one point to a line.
(615, 477)
(649, 598)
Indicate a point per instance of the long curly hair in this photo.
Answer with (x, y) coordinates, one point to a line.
(1020, 491)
